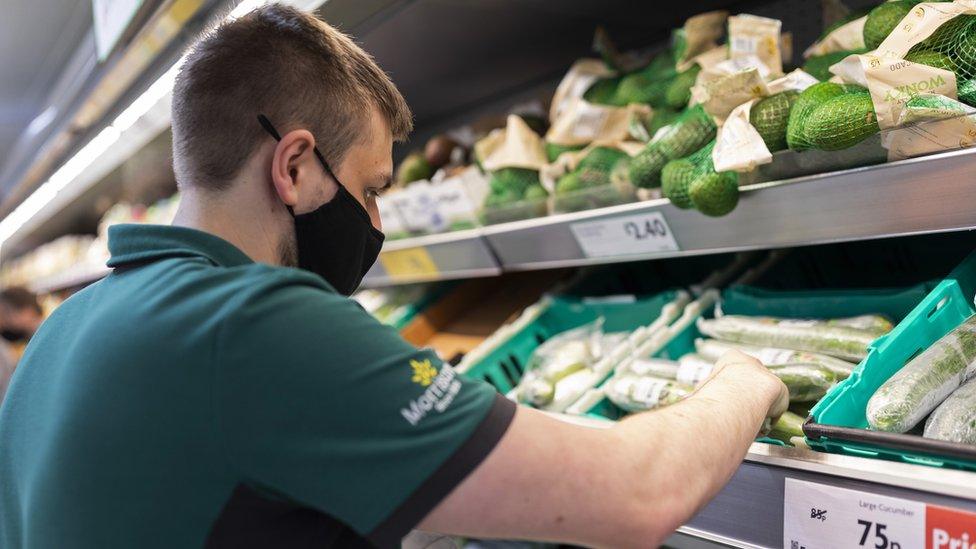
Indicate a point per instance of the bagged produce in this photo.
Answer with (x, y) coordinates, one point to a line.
(713, 349)
(770, 117)
(876, 324)
(806, 382)
(955, 419)
(883, 19)
(690, 132)
(677, 175)
(715, 193)
(816, 336)
(558, 358)
(635, 393)
(841, 122)
(693, 368)
(653, 367)
(788, 425)
(819, 66)
(925, 382)
(808, 100)
(678, 92)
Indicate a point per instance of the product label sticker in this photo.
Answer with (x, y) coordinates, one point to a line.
(408, 263)
(770, 356)
(625, 235)
(648, 391)
(693, 372)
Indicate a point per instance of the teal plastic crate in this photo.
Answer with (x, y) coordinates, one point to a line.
(838, 423)
(503, 367)
(746, 300)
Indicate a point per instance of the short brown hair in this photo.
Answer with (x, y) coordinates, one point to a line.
(287, 65)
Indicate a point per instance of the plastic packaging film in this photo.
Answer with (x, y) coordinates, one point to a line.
(805, 335)
(955, 419)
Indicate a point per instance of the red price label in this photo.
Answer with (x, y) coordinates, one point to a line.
(949, 528)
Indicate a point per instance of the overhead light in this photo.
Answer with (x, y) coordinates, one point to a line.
(42, 120)
(70, 170)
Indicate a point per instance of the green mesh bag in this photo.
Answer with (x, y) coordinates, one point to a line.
(602, 159)
(770, 117)
(931, 58)
(568, 183)
(661, 118)
(967, 92)
(553, 150)
(882, 20)
(808, 100)
(818, 66)
(515, 180)
(678, 92)
(715, 193)
(677, 175)
(842, 122)
(956, 39)
(602, 92)
(640, 88)
(690, 132)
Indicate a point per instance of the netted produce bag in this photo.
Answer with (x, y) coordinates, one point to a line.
(807, 102)
(677, 175)
(841, 122)
(691, 131)
(925, 382)
(955, 419)
(593, 178)
(770, 117)
(952, 47)
(818, 66)
(830, 337)
(563, 364)
(883, 19)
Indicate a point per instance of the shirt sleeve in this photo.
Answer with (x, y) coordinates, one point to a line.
(319, 402)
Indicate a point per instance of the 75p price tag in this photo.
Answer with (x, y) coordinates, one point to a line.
(625, 235)
(817, 516)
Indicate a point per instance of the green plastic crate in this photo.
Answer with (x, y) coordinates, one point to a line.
(503, 367)
(838, 423)
(746, 300)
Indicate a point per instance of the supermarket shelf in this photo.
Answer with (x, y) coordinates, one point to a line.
(462, 254)
(922, 195)
(748, 512)
(916, 196)
(76, 276)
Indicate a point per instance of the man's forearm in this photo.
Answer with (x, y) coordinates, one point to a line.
(683, 454)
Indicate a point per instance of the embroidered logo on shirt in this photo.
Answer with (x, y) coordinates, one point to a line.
(423, 372)
(441, 388)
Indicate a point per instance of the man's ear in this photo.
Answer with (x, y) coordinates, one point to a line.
(290, 164)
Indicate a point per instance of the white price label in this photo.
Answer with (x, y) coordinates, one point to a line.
(627, 235)
(818, 516)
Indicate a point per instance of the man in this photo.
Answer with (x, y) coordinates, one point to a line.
(20, 315)
(209, 393)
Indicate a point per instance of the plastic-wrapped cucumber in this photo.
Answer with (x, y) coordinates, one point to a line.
(877, 324)
(713, 349)
(816, 336)
(922, 384)
(536, 391)
(788, 425)
(806, 382)
(654, 367)
(693, 368)
(955, 419)
(635, 393)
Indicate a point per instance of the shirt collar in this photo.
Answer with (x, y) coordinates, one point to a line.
(129, 243)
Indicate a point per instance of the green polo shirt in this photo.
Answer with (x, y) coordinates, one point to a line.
(196, 398)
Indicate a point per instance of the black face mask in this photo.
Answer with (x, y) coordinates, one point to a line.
(11, 334)
(337, 241)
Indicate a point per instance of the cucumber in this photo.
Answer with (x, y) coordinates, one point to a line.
(955, 419)
(815, 336)
(806, 382)
(788, 425)
(713, 349)
(922, 384)
(654, 367)
(634, 393)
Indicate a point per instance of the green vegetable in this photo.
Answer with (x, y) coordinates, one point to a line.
(788, 425)
(553, 150)
(713, 349)
(535, 192)
(922, 384)
(602, 159)
(678, 93)
(715, 194)
(413, 168)
(676, 177)
(818, 66)
(591, 177)
(645, 168)
(842, 122)
(513, 179)
(806, 382)
(882, 20)
(640, 88)
(661, 118)
(808, 100)
(876, 324)
(967, 92)
(931, 58)
(955, 419)
(815, 336)
(770, 117)
(602, 92)
(568, 183)
(690, 132)
(634, 393)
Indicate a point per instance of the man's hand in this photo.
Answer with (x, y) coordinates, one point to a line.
(741, 369)
(630, 485)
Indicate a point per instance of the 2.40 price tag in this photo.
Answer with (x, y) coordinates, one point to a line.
(625, 235)
(818, 516)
